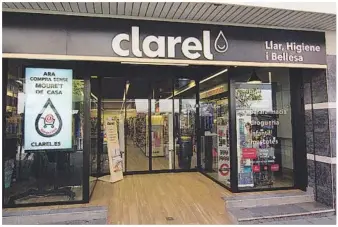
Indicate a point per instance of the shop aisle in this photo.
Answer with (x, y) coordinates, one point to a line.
(138, 161)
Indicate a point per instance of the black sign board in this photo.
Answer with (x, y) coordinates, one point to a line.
(106, 37)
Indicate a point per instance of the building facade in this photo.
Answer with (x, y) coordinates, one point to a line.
(252, 108)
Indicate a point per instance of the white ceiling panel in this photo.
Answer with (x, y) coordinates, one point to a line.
(166, 9)
(158, 9)
(105, 7)
(42, 5)
(33, 4)
(209, 11)
(11, 5)
(173, 10)
(128, 8)
(51, 6)
(98, 7)
(135, 8)
(221, 13)
(180, 10)
(200, 12)
(18, 5)
(151, 8)
(113, 8)
(143, 9)
(120, 8)
(194, 11)
(225, 13)
(82, 7)
(263, 14)
(240, 15)
(235, 13)
(25, 4)
(58, 6)
(250, 16)
(278, 17)
(187, 10)
(228, 13)
(214, 13)
(66, 6)
(291, 18)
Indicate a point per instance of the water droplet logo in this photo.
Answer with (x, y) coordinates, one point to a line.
(221, 43)
(48, 123)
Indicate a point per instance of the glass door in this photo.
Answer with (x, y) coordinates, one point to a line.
(162, 124)
(214, 121)
(185, 124)
(156, 123)
(136, 105)
(94, 113)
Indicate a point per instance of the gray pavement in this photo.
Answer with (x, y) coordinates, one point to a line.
(331, 220)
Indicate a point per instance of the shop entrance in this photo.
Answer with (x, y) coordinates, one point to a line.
(156, 111)
(235, 125)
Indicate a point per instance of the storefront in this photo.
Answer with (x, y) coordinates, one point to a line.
(165, 97)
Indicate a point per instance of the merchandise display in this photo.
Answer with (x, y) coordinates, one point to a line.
(137, 128)
(214, 120)
(13, 135)
(157, 135)
(257, 144)
(223, 143)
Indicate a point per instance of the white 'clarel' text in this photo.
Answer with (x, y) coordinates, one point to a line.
(191, 47)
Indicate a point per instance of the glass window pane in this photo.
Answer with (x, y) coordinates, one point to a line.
(113, 111)
(162, 125)
(214, 121)
(44, 173)
(94, 140)
(137, 142)
(184, 123)
(264, 133)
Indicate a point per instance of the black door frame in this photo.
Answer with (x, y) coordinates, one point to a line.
(298, 122)
(149, 114)
(79, 68)
(298, 128)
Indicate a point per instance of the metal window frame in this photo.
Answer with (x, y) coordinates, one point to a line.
(78, 69)
(297, 127)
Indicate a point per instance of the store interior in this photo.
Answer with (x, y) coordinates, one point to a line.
(163, 95)
(157, 105)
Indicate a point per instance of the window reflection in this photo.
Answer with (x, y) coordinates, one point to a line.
(214, 121)
(185, 113)
(264, 135)
(162, 124)
(42, 175)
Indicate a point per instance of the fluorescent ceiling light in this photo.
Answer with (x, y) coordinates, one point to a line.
(213, 76)
(153, 63)
(125, 94)
(192, 84)
(115, 101)
(93, 96)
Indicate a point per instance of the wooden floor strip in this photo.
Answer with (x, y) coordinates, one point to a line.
(166, 198)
